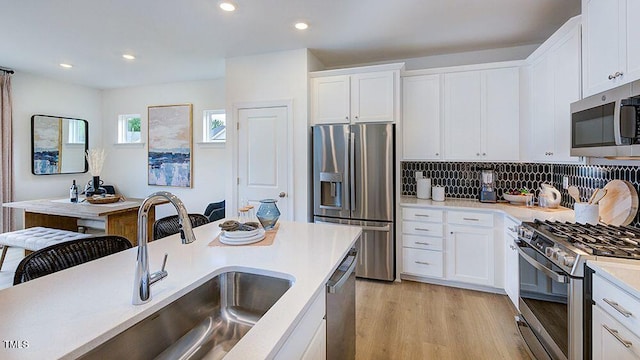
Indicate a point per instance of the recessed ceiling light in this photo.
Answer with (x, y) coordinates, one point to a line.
(66, 66)
(128, 56)
(301, 26)
(227, 6)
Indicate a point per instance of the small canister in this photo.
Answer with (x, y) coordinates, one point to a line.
(437, 193)
(424, 188)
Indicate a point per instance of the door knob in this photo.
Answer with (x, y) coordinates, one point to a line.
(282, 194)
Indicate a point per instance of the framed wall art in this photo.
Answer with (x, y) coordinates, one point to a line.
(170, 145)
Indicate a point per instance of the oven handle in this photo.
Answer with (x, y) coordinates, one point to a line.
(548, 272)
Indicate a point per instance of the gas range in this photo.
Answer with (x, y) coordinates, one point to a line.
(569, 245)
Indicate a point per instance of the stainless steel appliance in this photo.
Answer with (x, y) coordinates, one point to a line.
(341, 310)
(488, 191)
(607, 124)
(353, 181)
(552, 270)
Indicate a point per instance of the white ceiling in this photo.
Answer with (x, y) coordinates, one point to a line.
(179, 40)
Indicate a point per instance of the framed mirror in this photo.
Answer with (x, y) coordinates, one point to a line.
(58, 145)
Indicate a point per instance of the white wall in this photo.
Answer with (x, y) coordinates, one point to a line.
(39, 95)
(268, 77)
(126, 165)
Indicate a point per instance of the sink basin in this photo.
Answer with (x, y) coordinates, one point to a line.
(209, 320)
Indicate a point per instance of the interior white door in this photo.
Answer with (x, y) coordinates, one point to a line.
(263, 164)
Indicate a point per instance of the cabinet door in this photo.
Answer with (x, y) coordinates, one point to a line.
(512, 279)
(603, 44)
(542, 110)
(500, 120)
(470, 255)
(330, 100)
(421, 118)
(462, 113)
(611, 340)
(373, 97)
(631, 41)
(317, 349)
(565, 61)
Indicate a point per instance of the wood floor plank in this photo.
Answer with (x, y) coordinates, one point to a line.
(412, 320)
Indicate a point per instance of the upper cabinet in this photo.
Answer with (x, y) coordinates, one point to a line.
(358, 95)
(552, 84)
(481, 114)
(609, 42)
(461, 113)
(421, 117)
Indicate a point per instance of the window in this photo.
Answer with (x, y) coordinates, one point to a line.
(129, 129)
(214, 126)
(76, 131)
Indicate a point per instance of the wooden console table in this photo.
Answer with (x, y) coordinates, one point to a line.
(120, 218)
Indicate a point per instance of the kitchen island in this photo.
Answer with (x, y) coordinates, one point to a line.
(68, 313)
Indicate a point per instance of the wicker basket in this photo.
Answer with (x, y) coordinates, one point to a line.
(104, 199)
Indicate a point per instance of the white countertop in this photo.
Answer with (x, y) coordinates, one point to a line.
(624, 273)
(66, 314)
(517, 212)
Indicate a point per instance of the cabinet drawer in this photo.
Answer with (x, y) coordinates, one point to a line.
(422, 242)
(422, 262)
(420, 228)
(470, 218)
(611, 340)
(418, 214)
(621, 305)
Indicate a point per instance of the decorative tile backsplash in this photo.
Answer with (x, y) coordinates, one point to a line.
(462, 179)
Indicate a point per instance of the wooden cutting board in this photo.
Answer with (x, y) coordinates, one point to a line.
(620, 205)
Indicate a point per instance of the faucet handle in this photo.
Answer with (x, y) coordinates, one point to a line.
(159, 275)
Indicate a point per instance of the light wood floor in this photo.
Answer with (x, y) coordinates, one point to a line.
(411, 320)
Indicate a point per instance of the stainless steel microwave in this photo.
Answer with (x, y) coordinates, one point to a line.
(607, 124)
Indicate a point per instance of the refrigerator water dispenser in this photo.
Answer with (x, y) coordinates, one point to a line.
(330, 190)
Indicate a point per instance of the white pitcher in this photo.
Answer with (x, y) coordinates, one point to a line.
(551, 196)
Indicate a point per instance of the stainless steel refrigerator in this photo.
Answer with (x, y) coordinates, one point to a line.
(353, 182)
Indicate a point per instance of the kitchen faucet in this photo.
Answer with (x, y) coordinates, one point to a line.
(143, 280)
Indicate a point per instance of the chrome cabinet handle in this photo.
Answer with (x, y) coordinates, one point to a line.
(484, 154)
(420, 243)
(477, 154)
(620, 309)
(611, 77)
(437, 154)
(283, 194)
(616, 335)
(511, 229)
(470, 219)
(421, 215)
(512, 247)
(346, 118)
(422, 263)
(421, 229)
(617, 74)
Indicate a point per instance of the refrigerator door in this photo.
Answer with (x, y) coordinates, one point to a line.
(331, 176)
(372, 172)
(376, 255)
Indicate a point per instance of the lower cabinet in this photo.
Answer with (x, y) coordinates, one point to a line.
(611, 340)
(511, 261)
(309, 335)
(422, 262)
(470, 254)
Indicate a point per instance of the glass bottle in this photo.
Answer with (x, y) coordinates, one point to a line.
(73, 192)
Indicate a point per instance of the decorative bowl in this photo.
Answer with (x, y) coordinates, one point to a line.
(515, 199)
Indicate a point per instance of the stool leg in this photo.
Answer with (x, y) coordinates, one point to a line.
(4, 253)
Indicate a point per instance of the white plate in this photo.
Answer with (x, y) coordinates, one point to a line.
(241, 234)
(243, 241)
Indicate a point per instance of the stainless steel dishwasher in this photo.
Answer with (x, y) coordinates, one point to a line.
(341, 309)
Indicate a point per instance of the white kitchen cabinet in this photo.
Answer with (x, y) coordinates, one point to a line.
(317, 349)
(554, 83)
(615, 323)
(611, 51)
(421, 117)
(470, 251)
(330, 99)
(340, 97)
(511, 260)
(305, 339)
(422, 242)
(481, 114)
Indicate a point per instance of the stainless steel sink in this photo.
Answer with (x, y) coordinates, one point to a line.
(209, 320)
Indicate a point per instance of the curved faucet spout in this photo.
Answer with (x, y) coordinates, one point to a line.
(143, 280)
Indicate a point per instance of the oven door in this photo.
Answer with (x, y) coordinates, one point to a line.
(547, 297)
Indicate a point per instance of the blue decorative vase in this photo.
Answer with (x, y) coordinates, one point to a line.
(268, 213)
